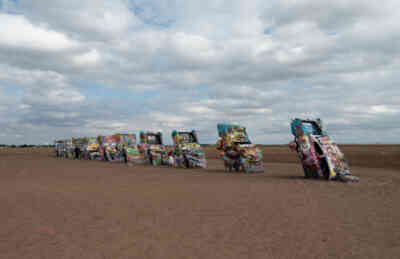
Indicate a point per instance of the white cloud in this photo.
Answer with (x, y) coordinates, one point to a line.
(198, 109)
(382, 109)
(91, 57)
(16, 31)
(24, 106)
(62, 115)
(89, 67)
(64, 96)
(89, 19)
(169, 120)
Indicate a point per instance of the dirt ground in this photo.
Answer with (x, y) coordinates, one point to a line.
(89, 209)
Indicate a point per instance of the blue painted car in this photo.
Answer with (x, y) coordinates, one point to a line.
(319, 154)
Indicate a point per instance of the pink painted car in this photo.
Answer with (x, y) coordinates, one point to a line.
(319, 155)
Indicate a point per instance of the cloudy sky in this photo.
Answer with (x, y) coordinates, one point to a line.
(89, 67)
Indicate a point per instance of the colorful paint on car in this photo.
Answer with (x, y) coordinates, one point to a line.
(187, 151)
(92, 150)
(129, 147)
(236, 149)
(319, 154)
(111, 149)
(60, 147)
(81, 144)
(152, 149)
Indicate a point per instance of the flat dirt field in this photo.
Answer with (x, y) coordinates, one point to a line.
(57, 209)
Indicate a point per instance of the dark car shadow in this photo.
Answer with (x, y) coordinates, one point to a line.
(288, 177)
(293, 177)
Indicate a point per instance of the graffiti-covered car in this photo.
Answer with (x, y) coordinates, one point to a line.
(319, 154)
(92, 149)
(152, 148)
(237, 151)
(187, 151)
(60, 147)
(129, 147)
(79, 147)
(110, 149)
(69, 146)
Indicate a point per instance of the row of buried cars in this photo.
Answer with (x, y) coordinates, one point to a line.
(320, 156)
(186, 151)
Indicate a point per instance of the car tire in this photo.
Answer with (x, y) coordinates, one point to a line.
(307, 174)
(324, 168)
(236, 165)
(186, 162)
(154, 162)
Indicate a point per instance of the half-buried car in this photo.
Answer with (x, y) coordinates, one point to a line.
(237, 151)
(187, 151)
(320, 156)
